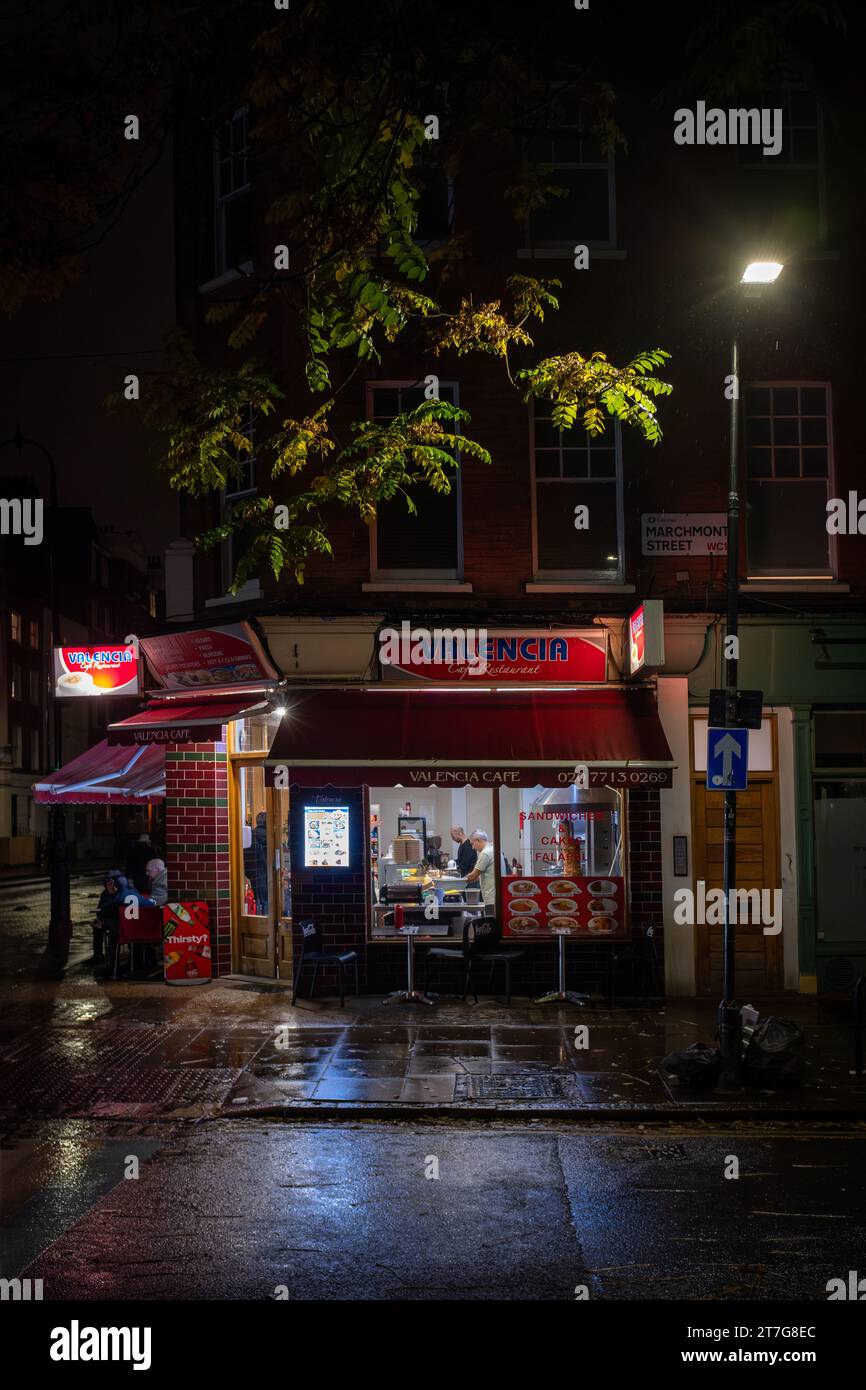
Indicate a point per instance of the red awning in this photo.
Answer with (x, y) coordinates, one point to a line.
(117, 776)
(385, 737)
(183, 721)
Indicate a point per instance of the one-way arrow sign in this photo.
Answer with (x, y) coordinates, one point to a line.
(727, 760)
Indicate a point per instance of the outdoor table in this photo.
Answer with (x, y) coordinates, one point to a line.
(561, 995)
(410, 994)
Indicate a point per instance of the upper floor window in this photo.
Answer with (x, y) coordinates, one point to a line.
(34, 684)
(783, 195)
(240, 485)
(232, 195)
(15, 626)
(16, 682)
(33, 632)
(435, 206)
(583, 209)
(427, 544)
(573, 470)
(789, 464)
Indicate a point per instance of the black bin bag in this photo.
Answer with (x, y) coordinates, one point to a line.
(775, 1055)
(697, 1067)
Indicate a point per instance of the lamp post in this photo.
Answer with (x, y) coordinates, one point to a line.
(60, 920)
(756, 275)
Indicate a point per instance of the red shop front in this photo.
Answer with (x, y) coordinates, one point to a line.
(383, 781)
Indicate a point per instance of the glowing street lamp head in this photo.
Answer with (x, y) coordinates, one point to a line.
(761, 273)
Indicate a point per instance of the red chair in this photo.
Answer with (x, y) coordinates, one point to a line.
(144, 930)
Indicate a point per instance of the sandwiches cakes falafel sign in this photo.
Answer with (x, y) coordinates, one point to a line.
(210, 656)
(95, 671)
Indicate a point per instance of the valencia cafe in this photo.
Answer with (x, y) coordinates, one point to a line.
(513, 785)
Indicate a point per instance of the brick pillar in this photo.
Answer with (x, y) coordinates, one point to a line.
(197, 836)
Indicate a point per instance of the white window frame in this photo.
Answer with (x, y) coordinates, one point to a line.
(221, 266)
(566, 245)
(772, 163)
(602, 578)
(454, 575)
(795, 572)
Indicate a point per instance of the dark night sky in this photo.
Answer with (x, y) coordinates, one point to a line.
(120, 312)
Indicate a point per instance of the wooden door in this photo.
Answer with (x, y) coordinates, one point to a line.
(758, 957)
(253, 856)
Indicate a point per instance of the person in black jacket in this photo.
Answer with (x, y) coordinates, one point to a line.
(140, 853)
(466, 855)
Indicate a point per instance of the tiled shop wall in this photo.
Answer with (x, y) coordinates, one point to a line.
(197, 837)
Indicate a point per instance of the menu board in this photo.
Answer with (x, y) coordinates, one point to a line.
(590, 909)
(326, 837)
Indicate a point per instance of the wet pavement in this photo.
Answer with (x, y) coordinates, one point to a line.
(247, 1209)
(137, 1048)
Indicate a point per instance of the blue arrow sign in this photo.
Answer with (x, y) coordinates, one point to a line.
(727, 760)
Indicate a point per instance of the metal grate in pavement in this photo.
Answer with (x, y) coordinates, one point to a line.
(485, 1086)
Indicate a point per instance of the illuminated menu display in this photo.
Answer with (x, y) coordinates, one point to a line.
(326, 837)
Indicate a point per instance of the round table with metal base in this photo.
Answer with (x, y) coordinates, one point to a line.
(409, 995)
(561, 995)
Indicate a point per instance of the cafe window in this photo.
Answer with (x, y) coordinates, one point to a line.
(233, 242)
(840, 739)
(574, 470)
(782, 196)
(789, 470)
(570, 160)
(427, 544)
(253, 811)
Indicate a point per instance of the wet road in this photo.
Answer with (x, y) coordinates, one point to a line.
(246, 1209)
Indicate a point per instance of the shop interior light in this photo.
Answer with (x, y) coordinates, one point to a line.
(761, 272)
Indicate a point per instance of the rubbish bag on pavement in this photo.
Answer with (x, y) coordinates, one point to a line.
(698, 1066)
(775, 1055)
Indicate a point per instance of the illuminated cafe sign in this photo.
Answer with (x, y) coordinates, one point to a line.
(530, 775)
(645, 634)
(500, 656)
(173, 733)
(95, 671)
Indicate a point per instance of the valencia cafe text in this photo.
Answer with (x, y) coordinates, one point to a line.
(476, 810)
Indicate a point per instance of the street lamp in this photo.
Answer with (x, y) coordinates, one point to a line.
(755, 275)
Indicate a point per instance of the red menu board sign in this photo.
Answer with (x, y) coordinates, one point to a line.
(589, 909)
(186, 943)
(211, 656)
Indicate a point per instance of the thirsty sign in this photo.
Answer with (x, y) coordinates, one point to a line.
(186, 943)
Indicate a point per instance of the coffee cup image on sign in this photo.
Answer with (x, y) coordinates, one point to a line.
(76, 683)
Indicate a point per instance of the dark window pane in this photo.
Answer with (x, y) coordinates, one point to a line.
(784, 400)
(434, 214)
(582, 214)
(786, 432)
(804, 108)
(804, 146)
(574, 463)
(840, 738)
(590, 148)
(427, 540)
(778, 205)
(786, 527)
(411, 397)
(546, 463)
(758, 431)
(814, 463)
(758, 462)
(547, 434)
(814, 431)
(566, 147)
(786, 463)
(386, 403)
(560, 546)
(602, 463)
(813, 400)
(238, 231)
(758, 400)
(539, 148)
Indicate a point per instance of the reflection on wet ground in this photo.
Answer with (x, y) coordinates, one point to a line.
(138, 1048)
